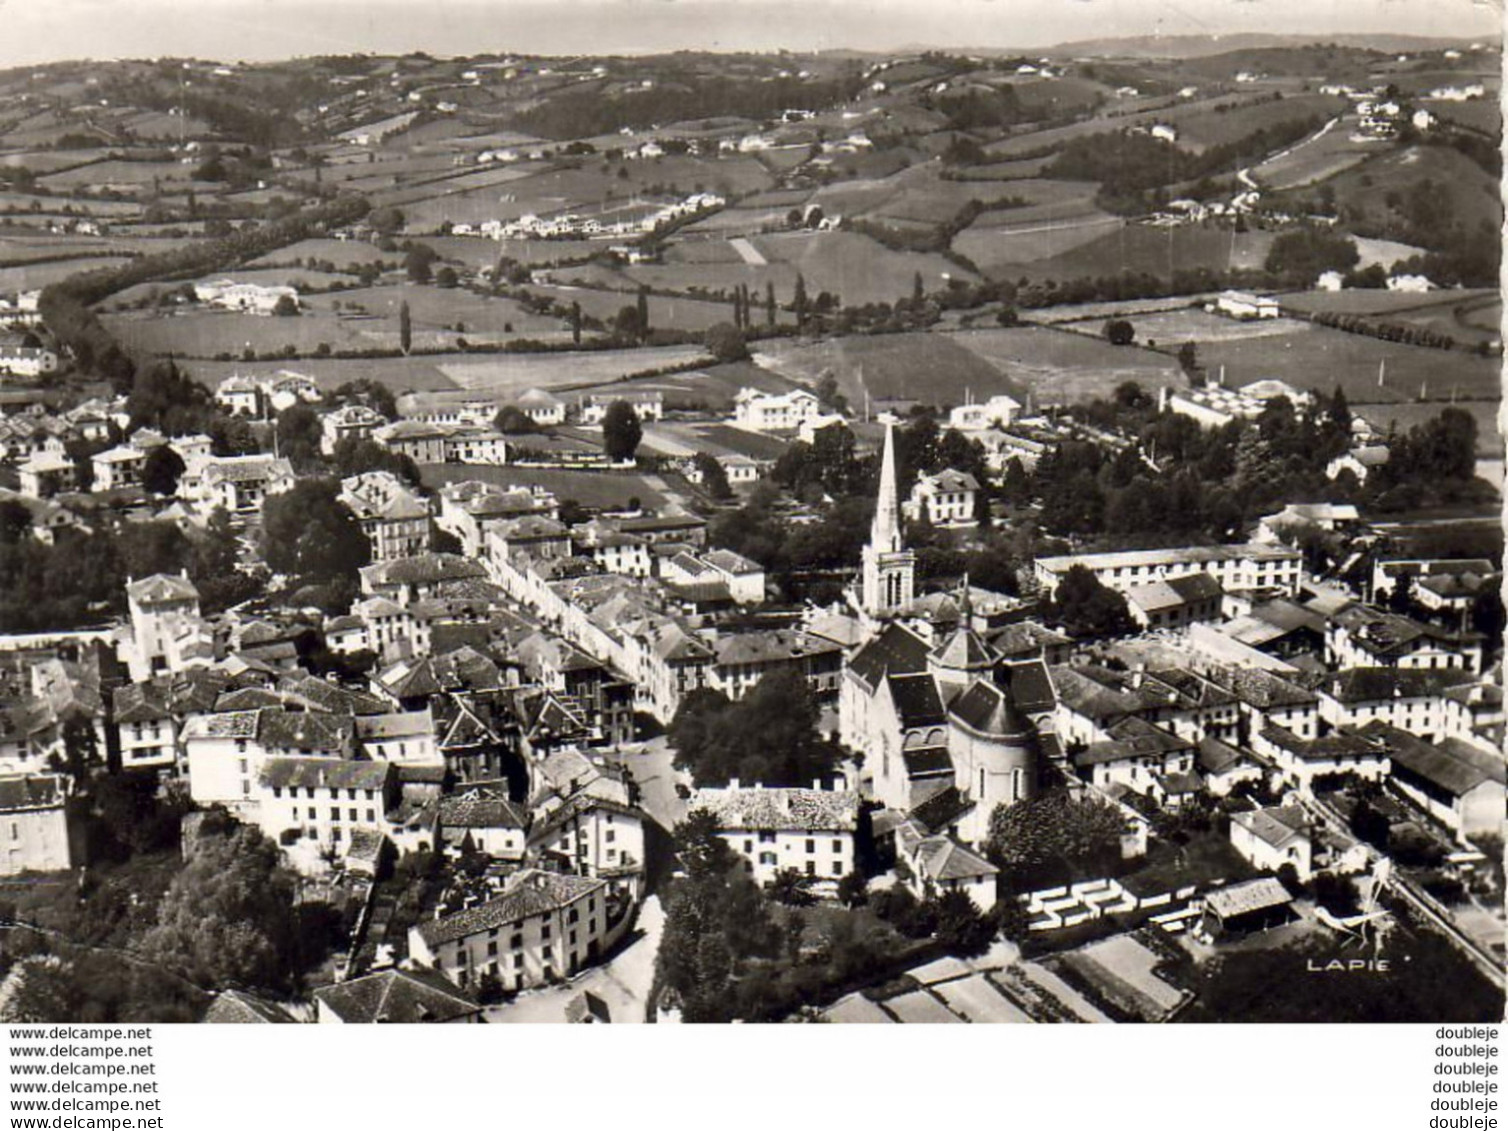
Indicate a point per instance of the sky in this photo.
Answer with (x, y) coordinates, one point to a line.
(36, 31)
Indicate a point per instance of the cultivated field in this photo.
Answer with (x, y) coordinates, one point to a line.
(1322, 358)
(1201, 130)
(420, 373)
(508, 375)
(1158, 251)
(30, 276)
(1175, 327)
(1064, 368)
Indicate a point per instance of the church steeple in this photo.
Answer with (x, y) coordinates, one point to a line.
(885, 534)
(888, 584)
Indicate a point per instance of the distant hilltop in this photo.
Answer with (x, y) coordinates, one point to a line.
(1194, 46)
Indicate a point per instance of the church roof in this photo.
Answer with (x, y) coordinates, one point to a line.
(988, 709)
(917, 703)
(896, 650)
(963, 650)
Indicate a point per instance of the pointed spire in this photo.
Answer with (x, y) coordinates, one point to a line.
(885, 535)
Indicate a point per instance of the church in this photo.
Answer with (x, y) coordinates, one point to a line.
(937, 716)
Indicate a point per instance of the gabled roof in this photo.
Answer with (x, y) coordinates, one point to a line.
(162, 587)
(941, 858)
(397, 996)
(233, 1007)
(916, 699)
(529, 892)
(1244, 898)
(324, 773)
(896, 650)
(780, 809)
(1278, 827)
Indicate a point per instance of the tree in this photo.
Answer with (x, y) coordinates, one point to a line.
(405, 327)
(642, 307)
(446, 277)
(161, 470)
(227, 919)
(853, 889)
(356, 455)
(1303, 255)
(1188, 357)
(714, 478)
(621, 431)
(799, 302)
(419, 262)
(512, 420)
(15, 521)
(628, 324)
(726, 343)
(575, 323)
(792, 888)
(1119, 332)
(960, 926)
(769, 303)
(1084, 607)
(364, 390)
(307, 532)
(769, 736)
(285, 307)
(299, 436)
(1053, 838)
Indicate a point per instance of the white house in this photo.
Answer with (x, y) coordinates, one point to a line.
(253, 298)
(1269, 838)
(945, 498)
(997, 412)
(774, 412)
(542, 928)
(808, 830)
(34, 824)
(1245, 305)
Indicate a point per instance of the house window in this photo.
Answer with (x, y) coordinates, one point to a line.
(516, 942)
(371, 816)
(811, 847)
(811, 867)
(334, 813)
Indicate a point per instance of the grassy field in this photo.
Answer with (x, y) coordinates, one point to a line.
(400, 374)
(1175, 327)
(114, 172)
(847, 264)
(1321, 358)
(198, 333)
(664, 313)
(1316, 159)
(1483, 114)
(342, 253)
(601, 489)
(510, 374)
(1199, 131)
(1064, 368)
(1138, 247)
(484, 318)
(1382, 303)
(1461, 189)
(30, 276)
(710, 389)
(993, 248)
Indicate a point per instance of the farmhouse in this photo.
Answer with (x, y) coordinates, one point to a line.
(774, 412)
(1245, 305)
(227, 294)
(997, 412)
(646, 406)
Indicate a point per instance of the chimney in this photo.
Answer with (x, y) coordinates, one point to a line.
(817, 784)
(732, 783)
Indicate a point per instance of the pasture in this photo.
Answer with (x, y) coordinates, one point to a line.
(1064, 368)
(1174, 327)
(31, 276)
(507, 375)
(1157, 251)
(711, 389)
(911, 368)
(342, 253)
(1317, 158)
(992, 248)
(1320, 359)
(419, 373)
(1199, 131)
